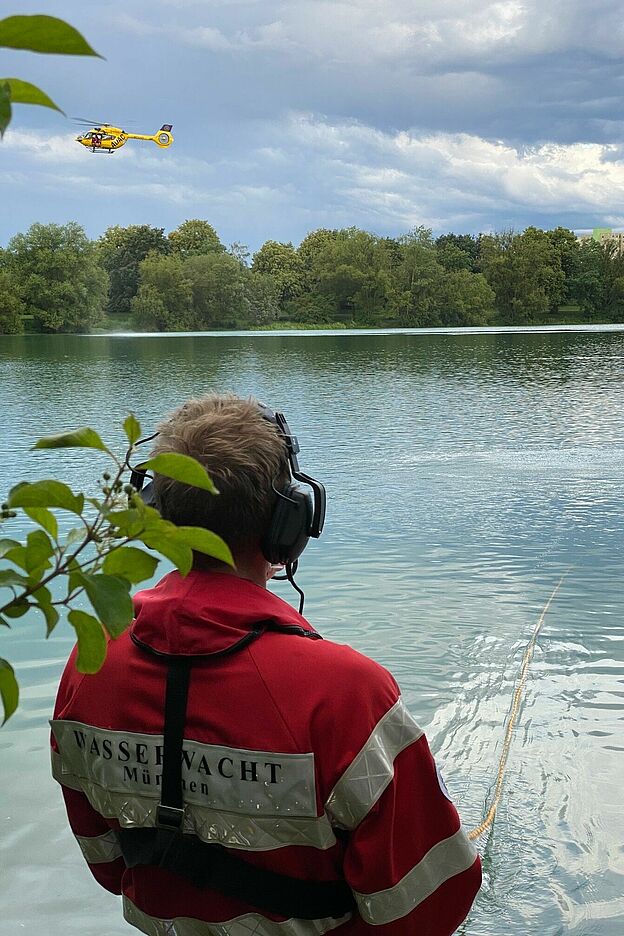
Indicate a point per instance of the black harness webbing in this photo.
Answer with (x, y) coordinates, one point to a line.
(210, 864)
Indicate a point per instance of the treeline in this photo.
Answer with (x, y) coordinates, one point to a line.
(54, 279)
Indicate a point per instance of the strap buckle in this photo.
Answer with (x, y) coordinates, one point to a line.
(168, 817)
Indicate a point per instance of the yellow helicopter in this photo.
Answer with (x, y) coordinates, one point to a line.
(107, 139)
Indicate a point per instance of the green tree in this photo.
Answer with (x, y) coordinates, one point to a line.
(310, 249)
(11, 306)
(281, 262)
(261, 299)
(567, 248)
(60, 281)
(218, 283)
(418, 281)
(352, 269)
(587, 278)
(465, 299)
(312, 309)
(524, 270)
(240, 252)
(195, 237)
(164, 300)
(458, 251)
(120, 251)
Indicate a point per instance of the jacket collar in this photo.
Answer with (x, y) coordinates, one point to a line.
(206, 612)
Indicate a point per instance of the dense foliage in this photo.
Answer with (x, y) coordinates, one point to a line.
(98, 561)
(52, 278)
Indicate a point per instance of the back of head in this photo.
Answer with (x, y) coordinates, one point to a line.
(245, 457)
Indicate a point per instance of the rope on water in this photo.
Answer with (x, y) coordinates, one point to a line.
(513, 713)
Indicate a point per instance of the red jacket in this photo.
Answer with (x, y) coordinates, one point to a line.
(299, 756)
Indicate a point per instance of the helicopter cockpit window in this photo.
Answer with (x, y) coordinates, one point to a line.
(87, 136)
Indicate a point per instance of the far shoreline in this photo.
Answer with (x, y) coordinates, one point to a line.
(318, 332)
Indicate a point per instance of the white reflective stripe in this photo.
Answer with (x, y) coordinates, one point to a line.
(98, 849)
(446, 859)
(249, 924)
(372, 769)
(214, 776)
(252, 833)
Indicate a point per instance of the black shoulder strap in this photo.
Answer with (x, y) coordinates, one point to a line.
(170, 812)
(211, 865)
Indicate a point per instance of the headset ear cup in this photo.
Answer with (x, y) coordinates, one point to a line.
(288, 532)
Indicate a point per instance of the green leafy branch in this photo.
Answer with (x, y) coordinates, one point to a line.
(98, 560)
(37, 33)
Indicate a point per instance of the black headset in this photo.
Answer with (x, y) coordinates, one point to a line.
(298, 514)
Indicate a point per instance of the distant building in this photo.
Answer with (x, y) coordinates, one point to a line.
(605, 236)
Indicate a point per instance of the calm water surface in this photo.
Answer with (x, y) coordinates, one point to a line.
(465, 474)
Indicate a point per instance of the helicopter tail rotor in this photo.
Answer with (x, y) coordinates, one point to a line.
(164, 137)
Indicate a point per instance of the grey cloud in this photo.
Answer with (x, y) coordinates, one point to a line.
(454, 113)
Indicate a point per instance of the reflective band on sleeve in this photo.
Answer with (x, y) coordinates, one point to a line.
(252, 833)
(99, 849)
(446, 859)
(372, 769)
(249, 924)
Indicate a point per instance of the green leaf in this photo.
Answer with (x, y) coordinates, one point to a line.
(38, 550)
(43, 600)
(17, 555)
(9, 690)
(6, 545)
(5, 107)
(110, 599)
(129, 522)
(181, 468)
(43, 34)
(131, 563)
(79, 438)
(23, 92)
(10, 578)
(91, 641)
(44, 518)
(168, 545)
(132, 428)
(206, 542)
(47, 493)
(74, 536)
(17, 608)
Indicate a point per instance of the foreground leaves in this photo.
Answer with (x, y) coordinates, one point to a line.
(5, 106)
(23, 92)
(9, 690)
(35, 33)
(46, 494)
(181, 468)
(46, 34)
(91, 641)
(112, 549)
(79, 438)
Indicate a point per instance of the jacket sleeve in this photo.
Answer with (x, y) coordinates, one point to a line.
(407, 859)
(409, 863)
(94, 834)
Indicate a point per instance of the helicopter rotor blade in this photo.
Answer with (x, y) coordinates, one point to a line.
(92, 124)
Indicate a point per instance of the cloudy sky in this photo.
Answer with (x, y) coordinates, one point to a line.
(462, 115)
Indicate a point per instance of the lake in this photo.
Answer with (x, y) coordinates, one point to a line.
(466, 472)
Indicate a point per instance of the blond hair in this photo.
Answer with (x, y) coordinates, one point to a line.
(245, 457)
